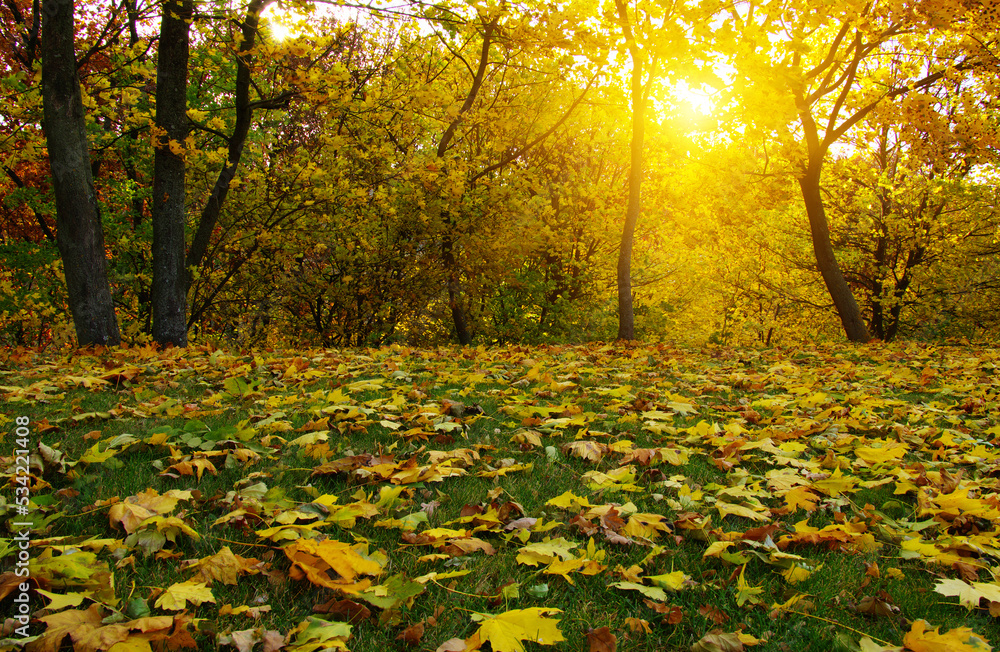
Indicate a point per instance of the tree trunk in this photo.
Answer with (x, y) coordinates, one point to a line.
(826, 260)
(169, 213)
(244, 118)
(626, 317)
(455, 292)
(79, 233)
(455, 295)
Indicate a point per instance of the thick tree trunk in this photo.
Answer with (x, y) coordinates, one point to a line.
(79, 233)
(826, 260)
(169, 212)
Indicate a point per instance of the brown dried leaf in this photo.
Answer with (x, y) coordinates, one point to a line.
(412, 634)
(344, 610)
(602, 640)
(714, 614)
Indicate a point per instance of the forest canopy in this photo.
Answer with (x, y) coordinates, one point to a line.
(349, 175)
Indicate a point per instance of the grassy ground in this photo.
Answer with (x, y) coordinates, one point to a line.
(788, 500)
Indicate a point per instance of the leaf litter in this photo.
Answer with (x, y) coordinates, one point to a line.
(760, 462)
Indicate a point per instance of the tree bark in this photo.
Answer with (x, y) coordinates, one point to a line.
(169, 212)
(455, 292)
(826, 260)
(79, 234)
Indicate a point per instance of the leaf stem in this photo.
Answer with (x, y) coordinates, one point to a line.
(471, 595)
(244, 543)
(834, 622)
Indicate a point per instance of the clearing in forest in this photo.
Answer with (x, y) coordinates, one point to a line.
(599, 497)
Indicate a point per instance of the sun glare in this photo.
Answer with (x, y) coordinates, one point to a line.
(280, 22)
(699, 100)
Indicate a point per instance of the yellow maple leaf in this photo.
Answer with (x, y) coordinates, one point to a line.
(176, 597)
(545, 552)
(968, 594)
(645, 525)
(223, 566)
(59, 602)
(717, 548)
(585, 449)
(725, 509)
(745, 592)
(887, 453)
(651, 592)
(637, 625)
(673, 581)
(582, 566)
(314, 558)
(795, 574)
(801, 497)
(836, 484)
(506, 631)
(129, 515)
(568, 500)
(960, 639)
(64, 623)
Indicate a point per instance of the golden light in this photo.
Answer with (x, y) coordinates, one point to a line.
(697, 100)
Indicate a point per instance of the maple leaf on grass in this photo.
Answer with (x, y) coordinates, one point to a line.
(506, 631)
(224, 566)
(653, 592)
(75, 623)
(312, 559)
(718, 641)
(586, 449)
(745, 592)
(317, 634)
(960, 639)
(638, 625)
(178, 595)
(968, 594)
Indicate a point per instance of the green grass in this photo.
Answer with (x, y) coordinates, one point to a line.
(259, 416)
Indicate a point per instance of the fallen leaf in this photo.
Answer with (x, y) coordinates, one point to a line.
(960, 639)
(718, 641)
(505, 631)
(602, 640)
(176, 596)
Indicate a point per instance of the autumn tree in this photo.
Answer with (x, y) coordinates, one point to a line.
(915, 203)
(78, 217)
(816, 75)
(668, 43)
(469, 148)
